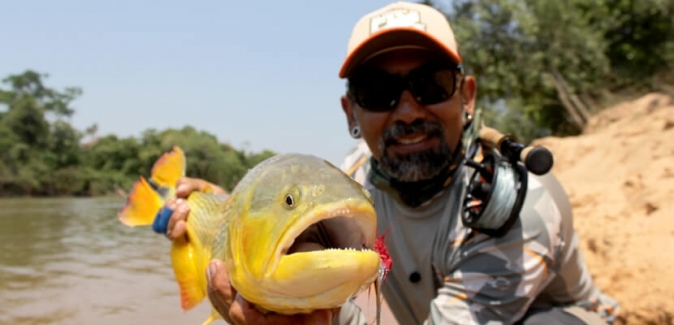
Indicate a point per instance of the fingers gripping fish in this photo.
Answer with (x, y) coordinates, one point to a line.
(253, 230)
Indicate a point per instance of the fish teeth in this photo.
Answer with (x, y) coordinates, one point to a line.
(349, 249)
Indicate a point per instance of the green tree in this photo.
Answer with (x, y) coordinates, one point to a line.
(552, 64)
(35, 150)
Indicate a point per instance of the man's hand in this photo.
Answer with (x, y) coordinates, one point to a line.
(237, 311)
(178, 207)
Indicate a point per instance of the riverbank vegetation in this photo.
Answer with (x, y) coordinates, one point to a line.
(42, 154)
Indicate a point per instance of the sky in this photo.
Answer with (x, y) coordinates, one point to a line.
(257, 74)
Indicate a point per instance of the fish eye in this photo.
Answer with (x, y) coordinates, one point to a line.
(290, 200)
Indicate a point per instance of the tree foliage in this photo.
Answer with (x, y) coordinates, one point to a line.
(41, 153)
(543, 67)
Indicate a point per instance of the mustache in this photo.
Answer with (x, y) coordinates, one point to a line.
(400, 129)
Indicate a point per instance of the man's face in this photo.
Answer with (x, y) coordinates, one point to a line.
(411, 141)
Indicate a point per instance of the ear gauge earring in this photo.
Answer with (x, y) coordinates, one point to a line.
(467, 118)
(466, 113)
(355, 132)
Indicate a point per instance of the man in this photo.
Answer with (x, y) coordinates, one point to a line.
(409, 100)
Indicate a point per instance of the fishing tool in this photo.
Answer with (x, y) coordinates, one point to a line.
(498, 183)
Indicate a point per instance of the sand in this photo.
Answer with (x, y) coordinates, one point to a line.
(619, 175)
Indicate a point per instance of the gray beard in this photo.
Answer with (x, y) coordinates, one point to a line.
(416, 166)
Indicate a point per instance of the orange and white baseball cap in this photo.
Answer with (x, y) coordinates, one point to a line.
(399, 25)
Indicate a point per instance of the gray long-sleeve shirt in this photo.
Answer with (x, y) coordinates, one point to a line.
(444, 273)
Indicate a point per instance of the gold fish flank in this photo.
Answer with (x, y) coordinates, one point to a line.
(254, 229)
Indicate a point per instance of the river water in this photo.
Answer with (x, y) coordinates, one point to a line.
(70, 261)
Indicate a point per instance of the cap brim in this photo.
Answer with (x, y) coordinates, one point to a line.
(390, 38)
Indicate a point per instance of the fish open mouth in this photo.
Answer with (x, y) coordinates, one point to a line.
(329, 234)
(343, 227)
(326, 256)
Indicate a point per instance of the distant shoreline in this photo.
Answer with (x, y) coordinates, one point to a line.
(118, 194)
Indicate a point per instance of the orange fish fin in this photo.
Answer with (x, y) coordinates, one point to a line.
(169, 168)
(141, 206)
(190, 271)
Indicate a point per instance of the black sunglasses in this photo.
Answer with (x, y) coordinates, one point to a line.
(379, 91)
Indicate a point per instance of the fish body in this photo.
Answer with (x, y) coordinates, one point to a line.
(253, 231)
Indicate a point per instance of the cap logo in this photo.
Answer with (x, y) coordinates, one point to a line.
(396, 18)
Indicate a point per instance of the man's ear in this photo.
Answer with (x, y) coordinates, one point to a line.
(347, 107)
(469, 94)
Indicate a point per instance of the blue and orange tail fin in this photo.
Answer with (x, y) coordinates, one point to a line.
(146, 199)
(148, 196)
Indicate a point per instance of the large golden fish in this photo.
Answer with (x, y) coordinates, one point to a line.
(253, 231)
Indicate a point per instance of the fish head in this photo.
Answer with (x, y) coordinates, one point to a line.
(289, 200)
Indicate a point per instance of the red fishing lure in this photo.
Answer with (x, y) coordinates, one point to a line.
(380, 247)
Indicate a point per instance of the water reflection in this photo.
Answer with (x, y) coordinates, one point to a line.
(69, 261)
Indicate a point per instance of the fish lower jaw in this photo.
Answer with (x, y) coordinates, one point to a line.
(299, 298)
(307, 281)
(305, 305)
